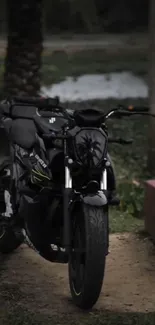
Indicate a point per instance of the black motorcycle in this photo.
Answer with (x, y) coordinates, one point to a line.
(59, 177)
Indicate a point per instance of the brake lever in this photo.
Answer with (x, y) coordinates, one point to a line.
(129, 141)
(120, 141)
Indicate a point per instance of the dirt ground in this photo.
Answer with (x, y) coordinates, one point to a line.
(28, 280)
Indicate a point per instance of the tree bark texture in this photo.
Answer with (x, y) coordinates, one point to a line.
(151, 151)
(24, 50)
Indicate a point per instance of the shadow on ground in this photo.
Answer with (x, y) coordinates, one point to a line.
(19, 316)
(34, 291)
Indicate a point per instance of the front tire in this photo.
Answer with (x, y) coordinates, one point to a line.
(88, 256)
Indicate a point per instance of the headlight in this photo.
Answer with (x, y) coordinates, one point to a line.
(90, 147)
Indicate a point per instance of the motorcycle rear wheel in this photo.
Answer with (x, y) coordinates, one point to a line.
(10, 238)
(9, 241)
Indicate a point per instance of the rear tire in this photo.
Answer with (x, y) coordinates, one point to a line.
(10, 238)
(88, 257)
(10, 241)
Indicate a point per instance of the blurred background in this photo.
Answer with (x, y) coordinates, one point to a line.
(91, 53)
(93, 16)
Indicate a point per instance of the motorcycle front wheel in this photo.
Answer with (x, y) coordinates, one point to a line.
(88, 255)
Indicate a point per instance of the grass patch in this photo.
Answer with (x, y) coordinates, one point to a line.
(131, 163)
(121, 222)
(59, 64)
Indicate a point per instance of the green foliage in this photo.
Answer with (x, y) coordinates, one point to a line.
(90, 16)
(123, 221)
(131, 162)
(87, 16)
(132, 197)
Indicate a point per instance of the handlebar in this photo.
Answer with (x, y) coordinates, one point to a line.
(122, 111)
(44, 104)
(49, 104)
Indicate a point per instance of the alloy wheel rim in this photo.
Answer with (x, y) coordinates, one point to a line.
(2, 232)
(77, 266)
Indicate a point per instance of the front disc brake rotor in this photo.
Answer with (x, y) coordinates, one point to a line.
(2, 232)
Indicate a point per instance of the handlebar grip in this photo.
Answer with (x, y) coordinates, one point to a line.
(138, 109)
(37, 101)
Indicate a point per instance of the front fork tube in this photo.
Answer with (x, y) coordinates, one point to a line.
(66, 214)
(104, 187)
(103, 183)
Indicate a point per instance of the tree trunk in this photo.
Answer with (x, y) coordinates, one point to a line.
(23, 58)
(151, 151)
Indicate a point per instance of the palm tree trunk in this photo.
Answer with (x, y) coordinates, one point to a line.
(151, 151)
(23, 58)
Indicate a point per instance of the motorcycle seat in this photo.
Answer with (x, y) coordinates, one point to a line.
(23, 133)
(25, 123)
(17, 111)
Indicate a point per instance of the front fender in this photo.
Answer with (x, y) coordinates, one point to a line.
(98, 200)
